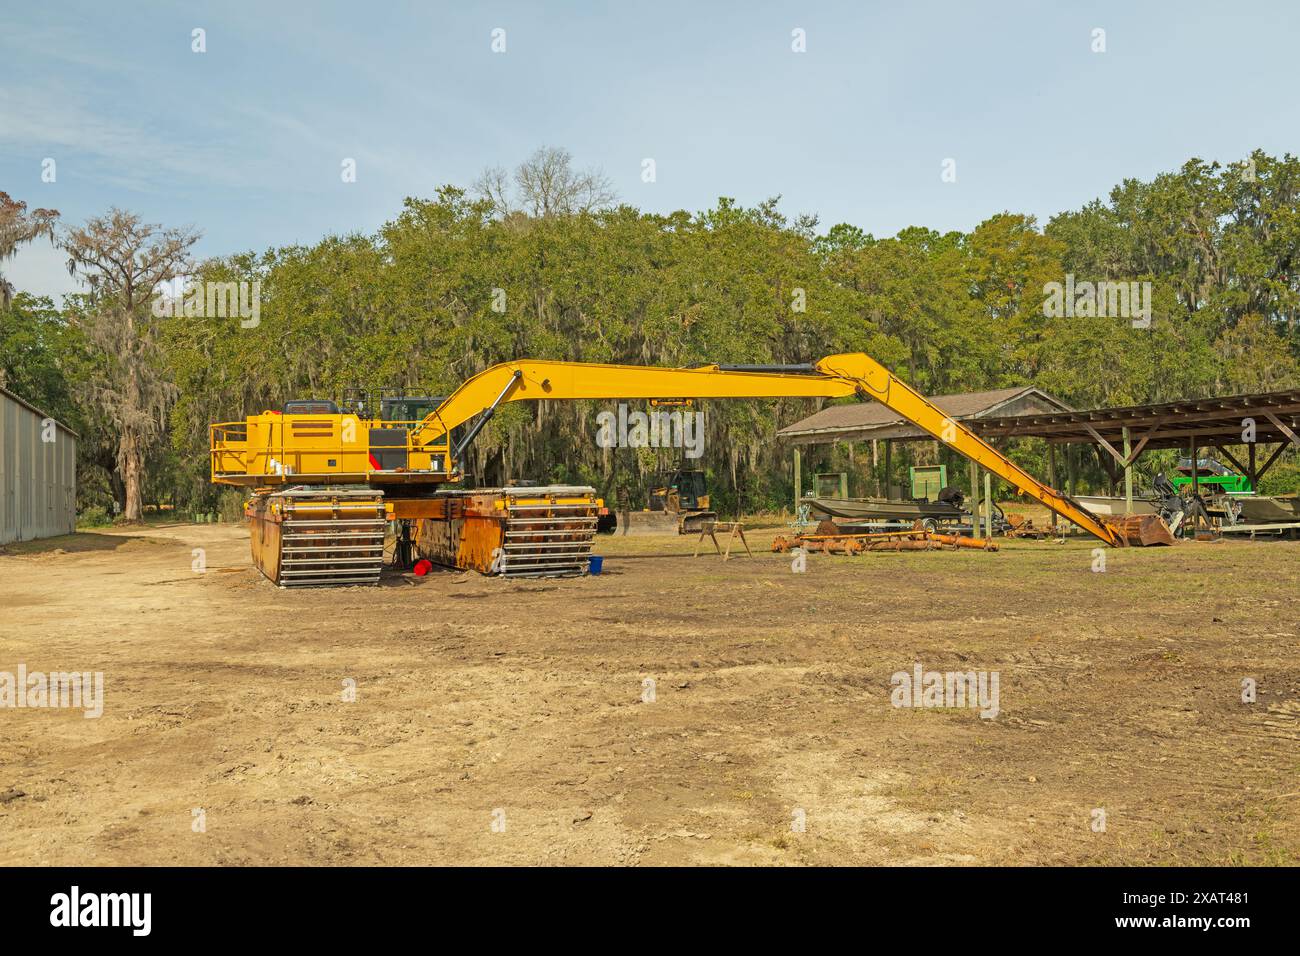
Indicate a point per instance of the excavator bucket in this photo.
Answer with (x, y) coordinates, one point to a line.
(1142, 530)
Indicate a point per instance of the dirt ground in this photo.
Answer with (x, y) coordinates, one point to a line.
(512, 723)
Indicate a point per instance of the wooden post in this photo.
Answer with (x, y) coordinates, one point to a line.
(974, 499)
(1251, 471)
(889, 463)
(988, 506)
(1128, 473)
(1196, 484)
(798, 491)
(1051, 478)
(1070, 470)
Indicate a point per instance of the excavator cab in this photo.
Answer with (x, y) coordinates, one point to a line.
(399, 415)
(390, 404)
(410, 410)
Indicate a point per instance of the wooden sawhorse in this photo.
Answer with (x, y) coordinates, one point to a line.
(736, 528)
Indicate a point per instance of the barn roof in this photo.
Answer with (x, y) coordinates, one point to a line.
(862, 421)
(32, 408)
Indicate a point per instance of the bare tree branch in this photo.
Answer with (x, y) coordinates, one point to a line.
(546, 185)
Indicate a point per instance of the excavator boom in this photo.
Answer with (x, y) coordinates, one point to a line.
(836, 376)
(895, 394)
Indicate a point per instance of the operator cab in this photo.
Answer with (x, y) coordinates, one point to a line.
(406, 411)
(408, 408)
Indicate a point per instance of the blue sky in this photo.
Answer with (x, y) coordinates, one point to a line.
(245, 141)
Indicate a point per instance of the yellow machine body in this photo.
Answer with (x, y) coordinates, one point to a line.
(278, 449)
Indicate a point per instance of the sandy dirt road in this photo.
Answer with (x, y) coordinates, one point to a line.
(506, 722)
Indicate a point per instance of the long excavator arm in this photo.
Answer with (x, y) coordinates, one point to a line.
(836, 376)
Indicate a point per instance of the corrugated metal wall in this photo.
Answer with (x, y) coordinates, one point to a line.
(38, 478)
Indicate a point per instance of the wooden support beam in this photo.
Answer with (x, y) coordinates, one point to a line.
(1142, 443)
(988, 506)
(1051, 477)
(1128, 473)
(1269, 464)
(1106, 466)
(889, 462)
(1283, 428)
(1196, 484)
(798, 489)
(1101, 442)
(1222, 450)
(974, 497)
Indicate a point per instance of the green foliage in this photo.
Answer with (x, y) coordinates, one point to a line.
(1282, 479)
(39, 355)
(94, 517)
(453, 284)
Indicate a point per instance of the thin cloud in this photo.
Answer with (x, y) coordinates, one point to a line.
(47, 124)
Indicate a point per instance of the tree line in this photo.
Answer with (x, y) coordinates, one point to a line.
(544, 262)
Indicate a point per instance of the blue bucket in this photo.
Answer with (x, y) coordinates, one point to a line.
(595, 562)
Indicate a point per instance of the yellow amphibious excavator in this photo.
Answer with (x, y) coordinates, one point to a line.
(326, 482)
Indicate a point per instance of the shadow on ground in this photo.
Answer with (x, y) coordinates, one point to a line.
(68, 543)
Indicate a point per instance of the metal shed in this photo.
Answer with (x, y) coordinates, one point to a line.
(38, 472)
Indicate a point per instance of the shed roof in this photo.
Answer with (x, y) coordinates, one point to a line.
(33, 409)
(867, 420)
(1162, 424)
